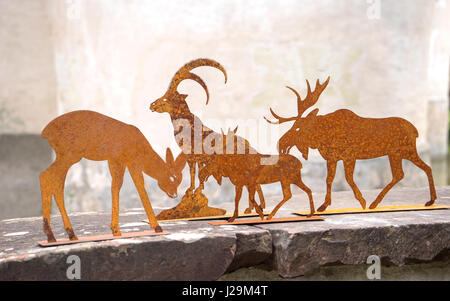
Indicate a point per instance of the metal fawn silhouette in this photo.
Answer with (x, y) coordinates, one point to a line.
(91, 135)
(174, 103)
(343, 135)
(251, 170)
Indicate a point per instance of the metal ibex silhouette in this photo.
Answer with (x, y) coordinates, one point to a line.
(174, 103)
(343, 135)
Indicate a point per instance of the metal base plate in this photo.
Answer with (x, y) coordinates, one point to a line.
(225, 216)
(378, 209)
(82, 239)
(273, 220)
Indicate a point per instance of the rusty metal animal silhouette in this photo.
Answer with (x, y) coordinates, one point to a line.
(90, 135)
(192, 143)
(343, 135)
(250, 170)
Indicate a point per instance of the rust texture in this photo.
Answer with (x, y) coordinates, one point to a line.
(91, 135)
(343, 135)
(251, 170)
(192, 136)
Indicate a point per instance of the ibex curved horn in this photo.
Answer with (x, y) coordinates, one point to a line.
(184, 73)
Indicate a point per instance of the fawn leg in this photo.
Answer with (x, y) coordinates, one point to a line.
(238, 190)
(397, 175)
(286, 196)
(349, 167)
(192, 165)
(306, 189)
(138, 180)
(422, 165)
(331, 172)
(117, 171)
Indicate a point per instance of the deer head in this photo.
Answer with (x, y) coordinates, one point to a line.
(302, 131)
(173, 102)
(171, 178)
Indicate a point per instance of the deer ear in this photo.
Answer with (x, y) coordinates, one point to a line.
(169, 156)
(313, 113)
(180, 162)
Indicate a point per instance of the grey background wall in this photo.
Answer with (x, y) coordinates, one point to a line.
(385, 58)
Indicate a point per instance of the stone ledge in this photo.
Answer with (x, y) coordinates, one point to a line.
(198, 251)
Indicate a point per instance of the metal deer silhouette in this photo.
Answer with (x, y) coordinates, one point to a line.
(251, 170)
(91, 135)
(343, 135)
(174, 103)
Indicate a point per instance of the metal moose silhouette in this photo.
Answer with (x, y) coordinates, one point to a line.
(91, 135)
(251, 170)
(192, 136)
(343, 135)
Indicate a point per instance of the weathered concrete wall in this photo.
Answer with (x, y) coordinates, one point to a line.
(385, 58)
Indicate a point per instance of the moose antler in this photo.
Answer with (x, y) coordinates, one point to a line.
(184, 73)
(302, 105)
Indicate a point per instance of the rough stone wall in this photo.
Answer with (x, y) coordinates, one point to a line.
(385, 58)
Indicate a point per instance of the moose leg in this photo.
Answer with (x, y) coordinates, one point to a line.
(138, 180)
(349, 167)
(397, 175)
(306, 189)
(236, 203)
(251, 195)
(262, 202)
(331, 172)
(117, 171)
(286, 196)
(422, 165)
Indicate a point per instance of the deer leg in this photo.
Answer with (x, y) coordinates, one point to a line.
(422, 165)
(251, 195)
(306, 189)
(117, 171)
(236, 203)
(286, 196)
(59, 197)
(397, 175)
(138, 180)
(331, 172)
(349, 167)
(46, 192)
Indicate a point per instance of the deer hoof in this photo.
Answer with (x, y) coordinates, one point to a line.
(429, 203)
(158, 229)
(322, 208)
(373, 205)
(51, 239)
(230, 220)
